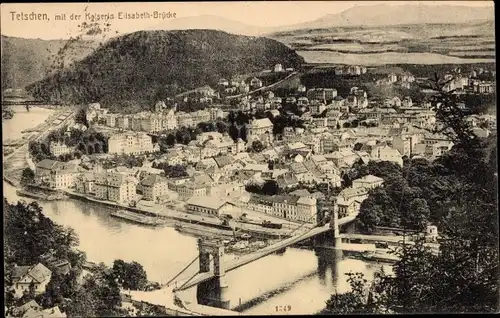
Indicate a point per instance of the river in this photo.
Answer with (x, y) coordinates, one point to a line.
(303, 279)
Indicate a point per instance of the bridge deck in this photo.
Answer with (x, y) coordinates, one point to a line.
(233, 264)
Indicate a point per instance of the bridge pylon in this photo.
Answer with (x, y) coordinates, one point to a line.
(214, 291)
(334, 225)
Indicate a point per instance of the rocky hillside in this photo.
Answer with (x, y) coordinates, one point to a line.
(134, 68)
(25, 61)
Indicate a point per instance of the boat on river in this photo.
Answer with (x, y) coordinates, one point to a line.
(137, 217)
(41, 196)
(379, 256)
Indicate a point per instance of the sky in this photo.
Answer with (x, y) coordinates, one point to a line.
(258, 13)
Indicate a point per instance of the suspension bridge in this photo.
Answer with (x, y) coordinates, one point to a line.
(209, 251)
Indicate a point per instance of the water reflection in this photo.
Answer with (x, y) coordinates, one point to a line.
(303, 278)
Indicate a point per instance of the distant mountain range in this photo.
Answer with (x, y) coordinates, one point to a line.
(386, 14)
(372, 15)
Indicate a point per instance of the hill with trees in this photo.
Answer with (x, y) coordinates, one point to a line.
(25, 61)
(139, 68)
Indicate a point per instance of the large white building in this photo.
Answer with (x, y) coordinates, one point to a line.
(55, 174)
(116, 187)
(58, 149)
(285, 206)
(131, 143)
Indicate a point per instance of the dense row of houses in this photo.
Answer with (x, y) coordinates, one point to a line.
(161, 119)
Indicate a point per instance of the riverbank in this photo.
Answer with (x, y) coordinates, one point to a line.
(185, 218)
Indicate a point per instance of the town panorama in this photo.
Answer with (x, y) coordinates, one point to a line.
(199, 162)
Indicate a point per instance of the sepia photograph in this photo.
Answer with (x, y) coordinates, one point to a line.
(249, 158)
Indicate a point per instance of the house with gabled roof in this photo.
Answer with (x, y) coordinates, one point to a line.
(368, 182)
(19, 311)
(23, 276)
(205, 164)
(209, 205)
(349, 200)
(53, 312)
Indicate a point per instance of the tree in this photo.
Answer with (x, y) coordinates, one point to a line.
(270, 187)
(221, 127)
(257, 146)
(27, 177)
(358, 146)
(98, 147)
(81, 117)
(243, 133)
(460, 189)
(175, 171)
(352, 302)
(170, 141)
(130, 275)
(234, 132)
(418, 214)
(90, 149)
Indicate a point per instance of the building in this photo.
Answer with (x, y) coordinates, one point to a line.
(403, 145)
(58, 149)
(43, 171)
(122, 122)
(483, 87)
(255, 83)
(216, 113)
(55, 174)
(189, 189)
(259, 127)
(53, 312)
(111, 120)
(209, 205)
(322, 94)
(386, 153)
(285, 206)
(63, 176)
(24, 276)
(368, 182)
(154, 186)
(407, 102)
(392, 78)
(349, 200)
(131, 143)
(169, 121)
(116, 187)
(438, 149)
(316, 108)
(84, 183)
(278, 68)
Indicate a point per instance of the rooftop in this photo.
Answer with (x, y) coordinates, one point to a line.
(261, 123)
(207, 202)
(370, 178)
(153, 179)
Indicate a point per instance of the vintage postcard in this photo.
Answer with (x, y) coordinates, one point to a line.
(249, 158)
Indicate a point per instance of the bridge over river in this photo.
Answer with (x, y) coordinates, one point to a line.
(246, 259)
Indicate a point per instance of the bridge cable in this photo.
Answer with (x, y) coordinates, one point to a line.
(191, 278)
(183, 270)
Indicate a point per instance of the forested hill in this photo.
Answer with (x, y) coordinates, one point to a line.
(136, 67)
(25, 61)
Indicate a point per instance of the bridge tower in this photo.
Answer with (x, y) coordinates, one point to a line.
(334, 225)
(214, 291)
